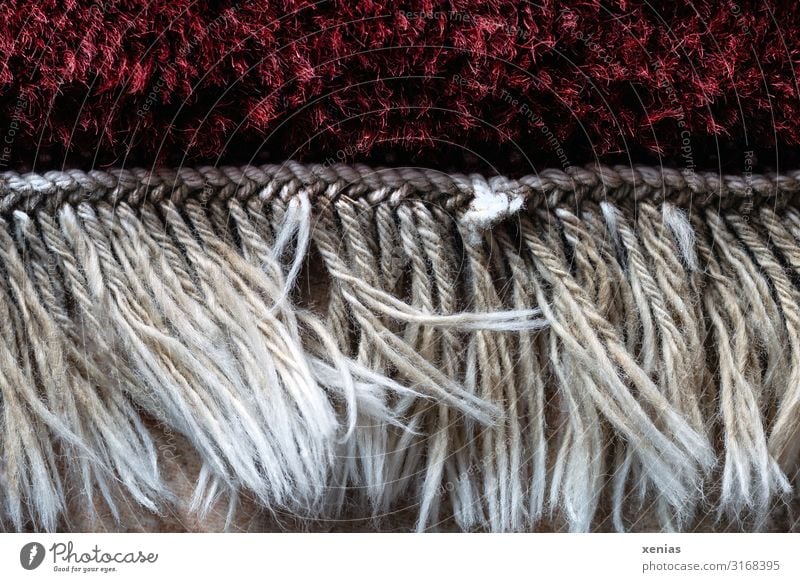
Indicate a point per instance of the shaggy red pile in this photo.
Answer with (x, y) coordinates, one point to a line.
(174, 81)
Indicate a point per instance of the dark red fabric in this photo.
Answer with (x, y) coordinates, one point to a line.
(182, 82)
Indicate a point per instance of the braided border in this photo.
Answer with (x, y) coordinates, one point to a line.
(621, 184)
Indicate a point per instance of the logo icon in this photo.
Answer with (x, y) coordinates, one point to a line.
(31, 555)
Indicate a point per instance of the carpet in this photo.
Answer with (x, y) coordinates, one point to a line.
(186, 82)
(433, 265)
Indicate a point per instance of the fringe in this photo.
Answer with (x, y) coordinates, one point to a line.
(599, 345)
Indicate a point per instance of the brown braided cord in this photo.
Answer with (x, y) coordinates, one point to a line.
(550, 187)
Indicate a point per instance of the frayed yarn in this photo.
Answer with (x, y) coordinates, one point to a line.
(500, 359)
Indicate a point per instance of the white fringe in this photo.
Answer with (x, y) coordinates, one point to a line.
(577, 362)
